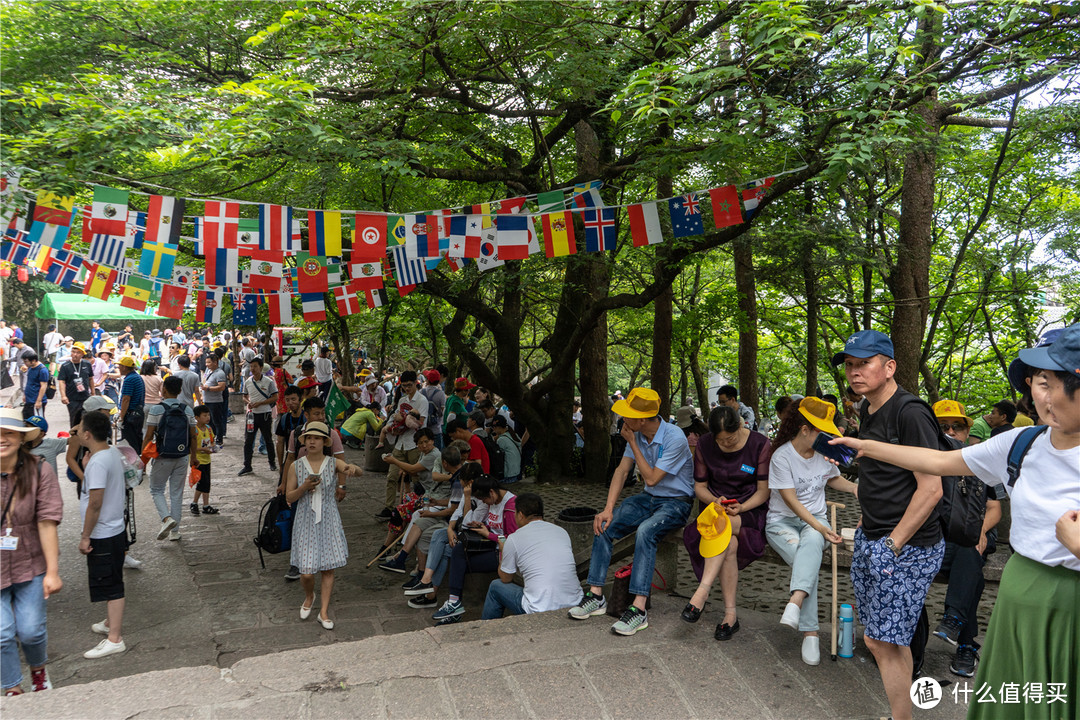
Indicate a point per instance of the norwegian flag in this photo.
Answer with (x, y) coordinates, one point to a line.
(222, 223)
(64, 269)
(275, 226)
(347, 301)
(267, 268)
(280, 308)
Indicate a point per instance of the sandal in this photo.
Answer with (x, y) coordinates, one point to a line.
(194, 508)
(209, 510)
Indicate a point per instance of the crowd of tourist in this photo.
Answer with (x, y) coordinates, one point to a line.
(454, 455)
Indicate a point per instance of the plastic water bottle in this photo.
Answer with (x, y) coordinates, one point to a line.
(251, 422)
(847, 631)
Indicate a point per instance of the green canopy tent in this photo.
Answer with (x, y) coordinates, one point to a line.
(65, 306)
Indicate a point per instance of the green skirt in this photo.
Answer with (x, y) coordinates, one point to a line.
(1033, 641)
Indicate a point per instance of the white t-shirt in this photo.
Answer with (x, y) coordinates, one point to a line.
(490, 515)
(324, 370)
(53, 341)
(1049, 485)
(251, 389)
(790, 470)
(418, 403)
(541, 552)
(105, 470)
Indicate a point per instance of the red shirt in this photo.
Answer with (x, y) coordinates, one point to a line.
(282, 379)
(43, 502)
(477, 451)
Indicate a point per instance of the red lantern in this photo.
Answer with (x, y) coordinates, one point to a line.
(24, 274)
(5, 271)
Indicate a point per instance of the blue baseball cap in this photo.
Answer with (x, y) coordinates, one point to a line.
(38, 422)
(864, 344)
(1062, 353)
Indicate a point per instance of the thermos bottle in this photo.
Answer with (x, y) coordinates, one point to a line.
(847, 631)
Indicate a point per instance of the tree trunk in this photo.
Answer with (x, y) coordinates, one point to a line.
(813, 301)
(746, 287)
(660, 376)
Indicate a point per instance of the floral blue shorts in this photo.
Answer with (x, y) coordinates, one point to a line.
(890, 591)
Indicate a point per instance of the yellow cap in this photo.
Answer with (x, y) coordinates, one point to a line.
(640, 403)
(820, 413)
(126, 361)
(951, 409)
(715, 529)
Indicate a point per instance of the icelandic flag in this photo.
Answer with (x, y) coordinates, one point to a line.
(108, 250)
(275, 224)
(685, 213)
(64, 269)
(599, 229)
(513, 236)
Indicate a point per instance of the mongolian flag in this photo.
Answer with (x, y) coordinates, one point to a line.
(313, 306)
(208, 306)
(311, 274)
(64, 269)
(644, 224)
(324, 233)
(157, 259)
(99, 281)
(163, 219)
(725, 206)
(267, 268)
(513, 236)
(279, 306)
(137, 293)
(221, 224)
(371, 231)
(173, 300)
(275, 224)
(558, 234)
(110, 211)
(465, 236)
(57, 210)
(599, 230)
(347, 301)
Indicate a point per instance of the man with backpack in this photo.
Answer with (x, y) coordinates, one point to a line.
(436, 398)
(171, 425)
(899, 547)
(132, 398)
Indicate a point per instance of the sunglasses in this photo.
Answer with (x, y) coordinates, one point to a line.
(955, 427)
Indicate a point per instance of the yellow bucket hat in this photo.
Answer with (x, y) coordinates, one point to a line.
(820, 414)
(715, 529)
(951, 409)
(640, 403)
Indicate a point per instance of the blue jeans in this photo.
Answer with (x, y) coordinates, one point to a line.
(438, 558)
(22, 616)
(502, 596)
(652, 518)
(801, 546)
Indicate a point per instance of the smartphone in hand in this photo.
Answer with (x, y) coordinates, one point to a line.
(840, 453)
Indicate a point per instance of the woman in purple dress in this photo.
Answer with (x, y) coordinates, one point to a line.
(731, 464)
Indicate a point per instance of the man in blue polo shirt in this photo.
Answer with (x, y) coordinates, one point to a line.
(661, 453)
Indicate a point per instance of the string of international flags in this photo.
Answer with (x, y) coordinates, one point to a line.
(344, 253)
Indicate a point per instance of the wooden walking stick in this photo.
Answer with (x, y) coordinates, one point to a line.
(392, 544)
(835, 608)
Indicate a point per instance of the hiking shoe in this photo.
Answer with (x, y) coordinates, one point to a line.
(131, 563)
(194, 508)
(965, 662)
(39, 680)
(590, 605)
(395, 564)
(104, 648)
(293, 574)
(421, 588)
(631, 621)
(949, 629)
(449, 609)
(166, 525)
(244, 471)
(383, 514)
(422, 602)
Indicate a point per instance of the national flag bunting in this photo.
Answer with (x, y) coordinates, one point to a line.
(489, 251)
(512, 232)
(247, 233)
(685, 213)
(370, 244)
(16, 251)
(313, 306)
(135, 230)
(221, 224)
(366, 275)
(53, 236)
(279, 306)
(208, 306)
(221, 265)
(40, 257)
(55, 209)
(246, 310)
(644, 224)
(407, 272)
(347, 301)
(465, 236)
(415, 236)
(375, 298)
(752, 194)
(64, 269)
(311, 274)
(558, 234)
(172, 302)
(550, 201)
(110, 211)
(157, 259)
(725, 206)
(275, 225)
(599, 229)
(588, 195)
(163, 219)
(324, 233)
(108, 250)
(99, 281)
(511, 206)
(137, 293)
(267, 268)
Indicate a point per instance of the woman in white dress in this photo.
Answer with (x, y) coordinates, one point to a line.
(318, 540)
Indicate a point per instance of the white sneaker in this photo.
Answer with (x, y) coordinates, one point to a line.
(811, 650)
(101, 628)
(791, 616)
(174, 535)
(131, 563)
(105, 647)
(166, 525)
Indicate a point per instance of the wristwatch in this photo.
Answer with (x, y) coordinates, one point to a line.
(341, 487)
(892, 546)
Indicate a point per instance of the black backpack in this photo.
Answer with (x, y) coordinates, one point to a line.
(275, 527)
(963, 498)
(173, 433)
(496, 456)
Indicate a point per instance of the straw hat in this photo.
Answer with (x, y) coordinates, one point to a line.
(79, 346)
(715, 529)
(684, 416)
(11, 419)
(640, 403)
(951, 409)
(820, 414)
(315, 428)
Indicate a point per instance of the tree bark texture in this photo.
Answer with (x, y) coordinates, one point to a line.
(746, 287)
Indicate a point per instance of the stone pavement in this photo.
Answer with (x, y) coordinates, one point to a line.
(202, 610)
